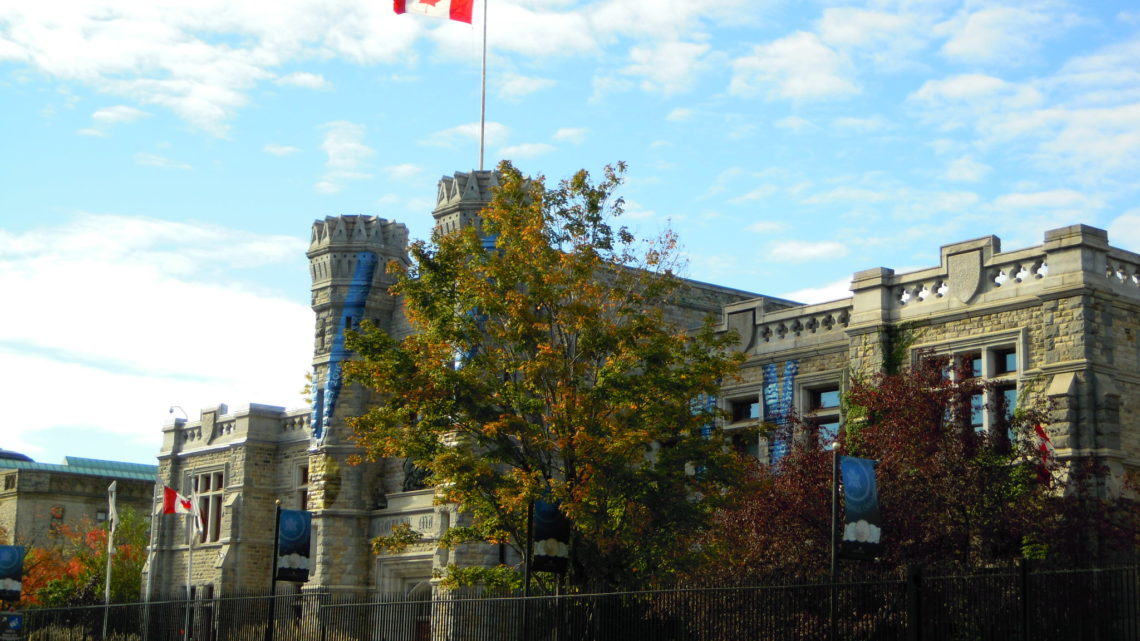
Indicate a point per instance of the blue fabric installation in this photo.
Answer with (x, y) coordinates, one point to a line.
(778, 404)
(354, 301)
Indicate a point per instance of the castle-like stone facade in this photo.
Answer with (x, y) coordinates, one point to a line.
(1058, 320)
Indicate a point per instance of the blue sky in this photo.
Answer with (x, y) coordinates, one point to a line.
(162, 160)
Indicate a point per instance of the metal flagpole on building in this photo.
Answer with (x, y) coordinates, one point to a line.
(483, 91)
(152, 551)
(190, 532)
(112, 523)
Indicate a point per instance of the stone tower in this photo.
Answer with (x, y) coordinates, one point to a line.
(460, 197)
(348, 258)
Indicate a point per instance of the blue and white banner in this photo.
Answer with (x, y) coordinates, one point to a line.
(11, 571)
(551, 538)
(294, 533)
(861, 527)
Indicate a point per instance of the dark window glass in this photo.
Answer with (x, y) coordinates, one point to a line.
(1005, 361)
(745, 410)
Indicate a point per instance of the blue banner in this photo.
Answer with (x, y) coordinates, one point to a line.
(861, 527)
(551, 538)
(294, 531)
(11, 571)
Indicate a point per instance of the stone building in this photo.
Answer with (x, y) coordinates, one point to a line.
(38, 499)
(241, 464)
(1061, 316)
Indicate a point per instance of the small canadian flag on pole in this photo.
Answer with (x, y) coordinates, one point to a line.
(175, 503)
(451, 9)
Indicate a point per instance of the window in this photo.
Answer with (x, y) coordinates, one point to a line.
(209, 487)
(302, 491)
(745, 410)
(10, 482)
(994, 360)
(823, 411)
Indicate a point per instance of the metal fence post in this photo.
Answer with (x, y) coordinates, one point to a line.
(914, 603)
(1023, 572)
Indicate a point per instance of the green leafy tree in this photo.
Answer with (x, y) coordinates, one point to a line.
(544, 366)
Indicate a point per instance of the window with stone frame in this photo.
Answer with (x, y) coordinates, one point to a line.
(823, 411)
(10, 482)
(209, 490)
(744, 413)
(997, 359)
(301, 490)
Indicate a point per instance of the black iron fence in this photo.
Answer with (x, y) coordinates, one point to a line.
(1009, 605)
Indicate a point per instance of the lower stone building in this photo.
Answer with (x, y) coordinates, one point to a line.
(1060, 318)
(38, 500)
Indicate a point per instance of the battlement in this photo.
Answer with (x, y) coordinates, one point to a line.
(358, 233)
(460, 197)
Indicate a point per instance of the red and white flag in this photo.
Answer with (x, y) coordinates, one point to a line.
(450, 9)
(175, 503)
(1047, 451)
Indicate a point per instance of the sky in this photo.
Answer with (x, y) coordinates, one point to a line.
(162, 161)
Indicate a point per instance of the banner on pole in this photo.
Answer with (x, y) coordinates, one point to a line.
(551, 538)
(861, 527)
(294, 532)
(11, 571)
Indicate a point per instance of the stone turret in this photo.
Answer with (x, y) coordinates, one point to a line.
(348, 258)
(460, 197)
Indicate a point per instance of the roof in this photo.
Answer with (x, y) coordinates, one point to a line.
(89, 467)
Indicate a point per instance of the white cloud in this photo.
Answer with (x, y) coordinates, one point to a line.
(680, 114)
(162, 162)
(966, 169)
(514, 86)
(1000, 34)
(280, 150)
(794, 251)
(346, 153)
(526, 150)
(199, 60)
(160, 301)
(495, 134)
(1124, 230)
(759, 193)
(766, 227)
(668, 67)
(861, 125)
(118, 114)
(576, 135)
(834, 290)
(794, 123)
(403, 171)
(846, 194)
(796, 67)
(1050, 199)
(304, 80)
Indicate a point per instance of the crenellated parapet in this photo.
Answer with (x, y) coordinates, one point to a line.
(460, 197)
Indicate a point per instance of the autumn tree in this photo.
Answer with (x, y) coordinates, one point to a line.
(544, 366)
(73, 572)
(949, 492)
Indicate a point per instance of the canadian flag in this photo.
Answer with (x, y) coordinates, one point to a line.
(451, 9)
(1046, 450)
(175, 503)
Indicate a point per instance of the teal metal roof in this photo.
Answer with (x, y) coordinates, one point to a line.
(90, 467)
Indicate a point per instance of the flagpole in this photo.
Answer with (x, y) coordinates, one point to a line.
(483, 91)
(189, 560)
(112, 522)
